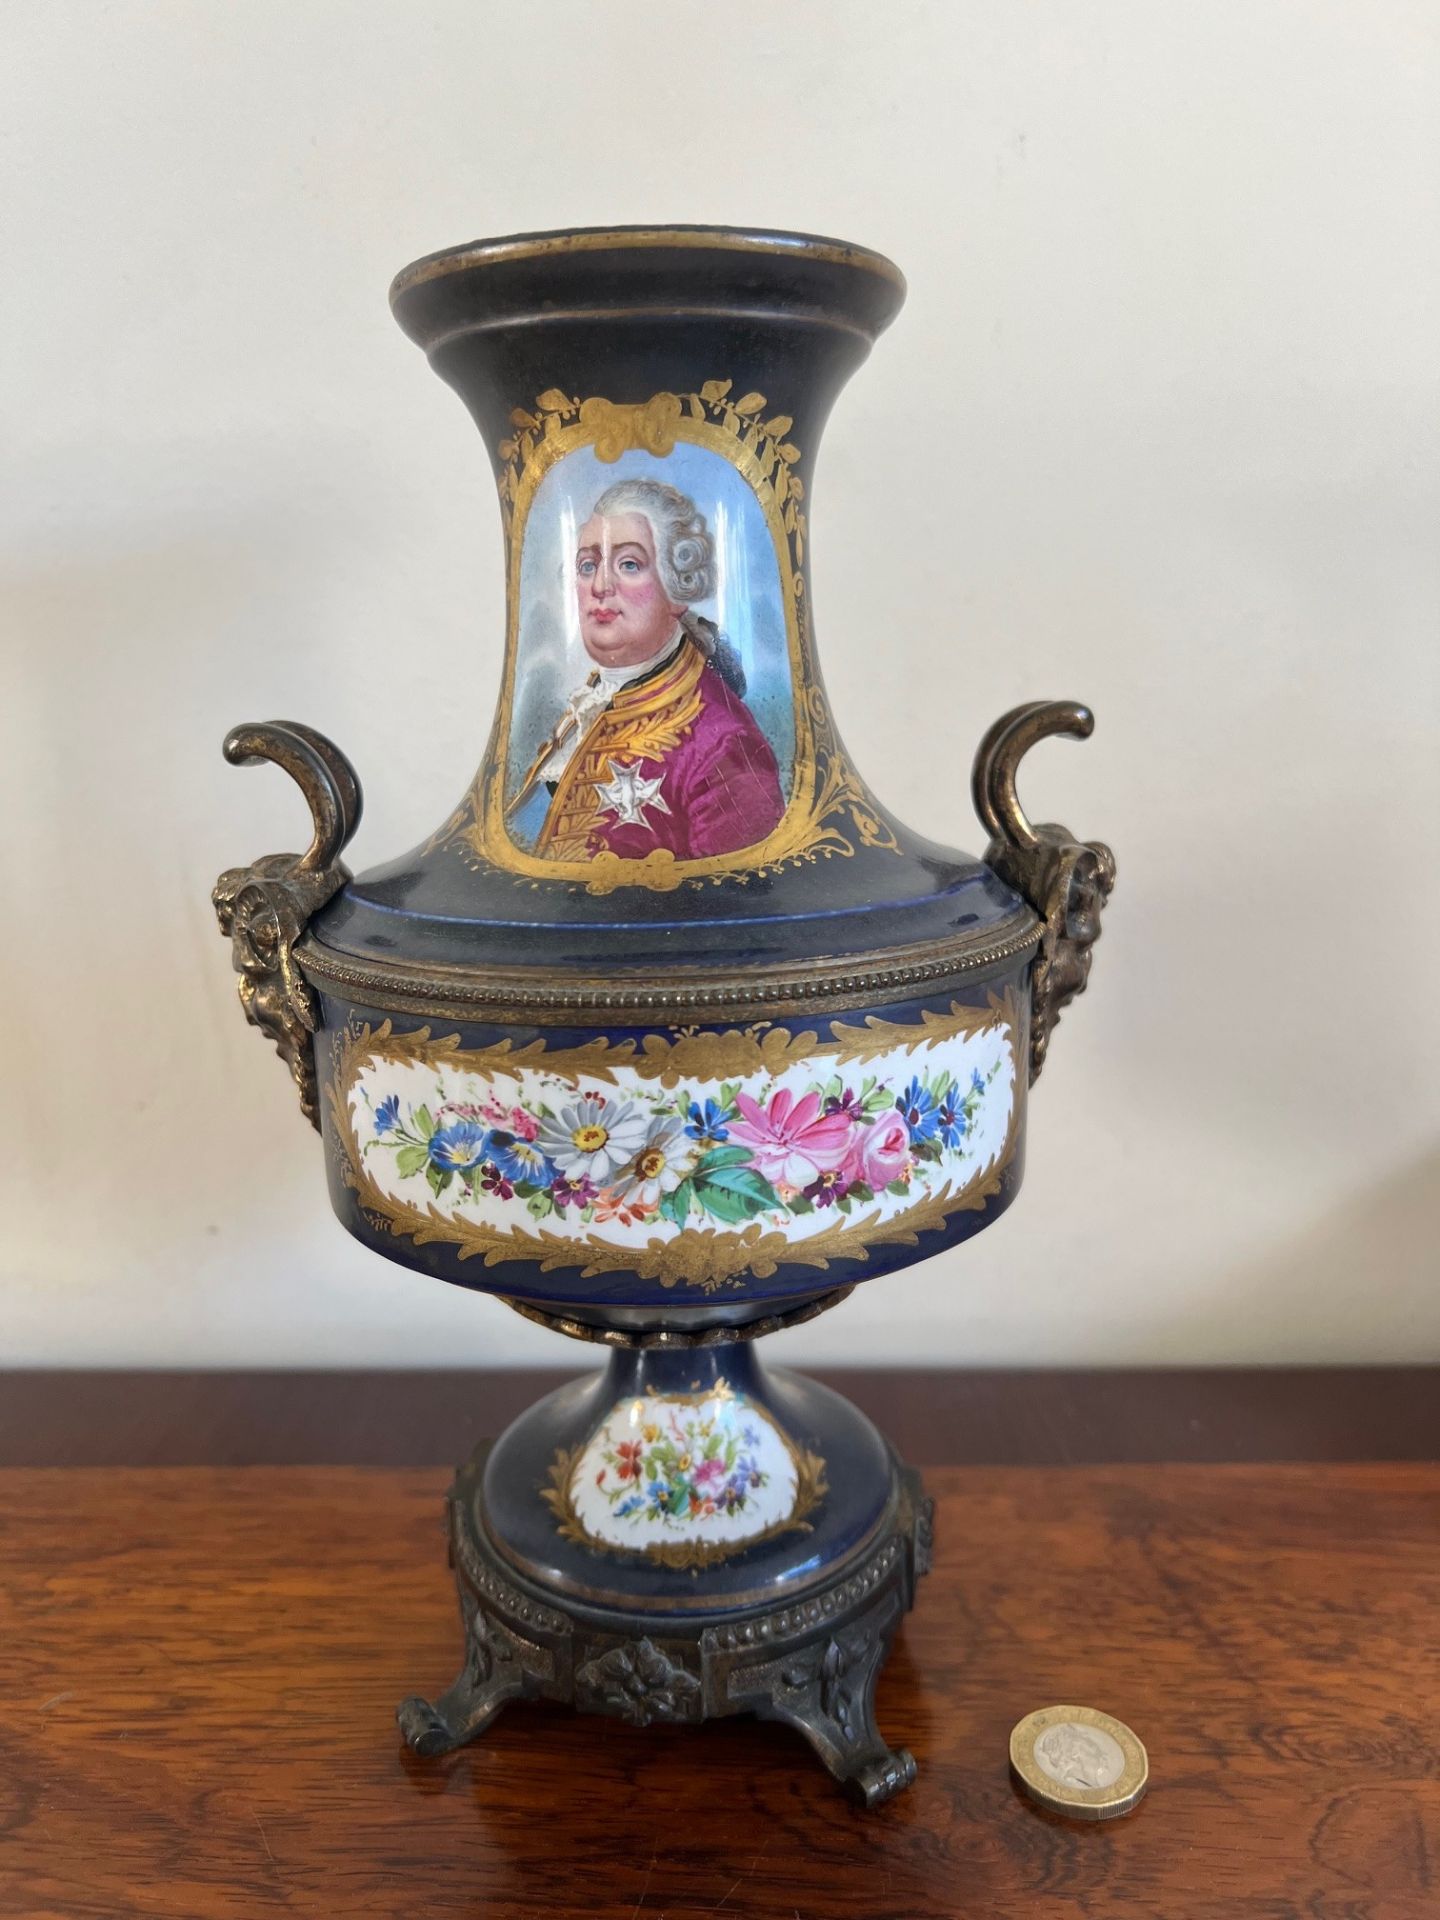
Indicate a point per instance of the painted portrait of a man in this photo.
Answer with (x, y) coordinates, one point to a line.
(656, 749)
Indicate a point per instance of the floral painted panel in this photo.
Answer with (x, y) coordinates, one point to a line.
(679, 1468)
(622, 1158)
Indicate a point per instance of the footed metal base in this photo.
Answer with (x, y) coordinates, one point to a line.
(812, 1662)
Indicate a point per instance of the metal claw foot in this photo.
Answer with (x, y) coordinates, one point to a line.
(425, 1728)
(500, 1667)
(826, 1690)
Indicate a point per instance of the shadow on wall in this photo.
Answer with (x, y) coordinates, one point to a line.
(129, 665)
(1373, 1263)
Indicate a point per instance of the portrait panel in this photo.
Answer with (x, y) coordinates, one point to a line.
(652, 709)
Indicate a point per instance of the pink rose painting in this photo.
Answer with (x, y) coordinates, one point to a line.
(878, 1153)
(793, 1141)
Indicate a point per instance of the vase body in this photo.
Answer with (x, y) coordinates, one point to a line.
(693, 1019)
(671, 1033)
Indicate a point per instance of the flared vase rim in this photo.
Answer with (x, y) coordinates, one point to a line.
(514, 247)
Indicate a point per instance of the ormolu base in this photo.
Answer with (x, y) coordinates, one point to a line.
(812, 1662)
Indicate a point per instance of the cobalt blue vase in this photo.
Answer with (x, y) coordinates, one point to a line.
(671, 1034)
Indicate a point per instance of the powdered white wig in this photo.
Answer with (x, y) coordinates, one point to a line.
(684, 550)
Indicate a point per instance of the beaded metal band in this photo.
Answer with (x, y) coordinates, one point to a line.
(871, 979)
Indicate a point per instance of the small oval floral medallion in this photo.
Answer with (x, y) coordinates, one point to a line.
(685, 1478)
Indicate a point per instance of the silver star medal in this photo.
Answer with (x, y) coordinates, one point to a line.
(628, 795)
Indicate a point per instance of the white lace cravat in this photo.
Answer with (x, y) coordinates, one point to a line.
(587, 703)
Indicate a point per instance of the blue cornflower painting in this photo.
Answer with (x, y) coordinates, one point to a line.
(708, 1122)
(917, 1110)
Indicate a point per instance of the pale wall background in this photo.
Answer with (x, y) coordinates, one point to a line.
(1157, 429)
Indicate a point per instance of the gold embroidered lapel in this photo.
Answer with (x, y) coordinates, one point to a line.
(644, 721)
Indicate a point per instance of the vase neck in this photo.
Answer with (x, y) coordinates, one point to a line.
(652, 405)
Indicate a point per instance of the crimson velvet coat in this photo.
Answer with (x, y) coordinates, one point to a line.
(676, 762)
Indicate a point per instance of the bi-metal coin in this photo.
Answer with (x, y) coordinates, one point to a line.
(1079, 1762)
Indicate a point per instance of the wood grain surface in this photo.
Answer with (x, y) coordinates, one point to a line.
(200, 1668)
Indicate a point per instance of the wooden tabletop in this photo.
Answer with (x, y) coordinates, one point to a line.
(199, 1668)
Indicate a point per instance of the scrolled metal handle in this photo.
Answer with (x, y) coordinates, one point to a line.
(1067, 881)
(998, 757)
(264, 909)
(318, 768)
